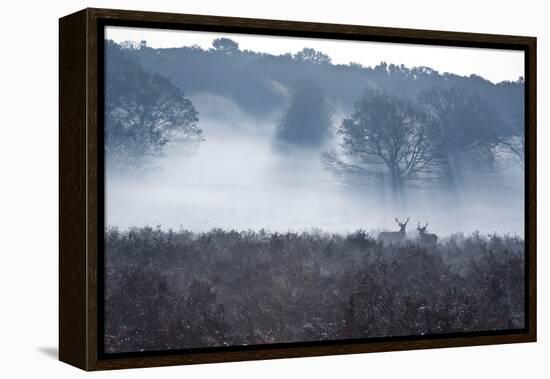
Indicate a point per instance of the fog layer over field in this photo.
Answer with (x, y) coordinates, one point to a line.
(238, 178)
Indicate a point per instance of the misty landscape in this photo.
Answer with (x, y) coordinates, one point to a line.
(258, 198)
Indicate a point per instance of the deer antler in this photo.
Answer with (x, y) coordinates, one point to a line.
(406, 222)
(425, 226)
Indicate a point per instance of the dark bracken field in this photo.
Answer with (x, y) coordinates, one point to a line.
(180, 289)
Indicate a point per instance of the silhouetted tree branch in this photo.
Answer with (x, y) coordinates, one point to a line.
(389, 138)
(143, 112)
(467, 126)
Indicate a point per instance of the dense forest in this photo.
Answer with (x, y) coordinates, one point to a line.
(178, 289)
(255, 79)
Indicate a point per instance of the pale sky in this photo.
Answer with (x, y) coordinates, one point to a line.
(492, 64)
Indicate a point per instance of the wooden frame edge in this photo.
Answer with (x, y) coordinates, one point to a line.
(531, 182)
(257, 25)
(72, 192)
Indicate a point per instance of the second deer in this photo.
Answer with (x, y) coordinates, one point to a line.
(427, 238)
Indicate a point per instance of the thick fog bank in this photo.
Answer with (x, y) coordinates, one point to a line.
(237, 178)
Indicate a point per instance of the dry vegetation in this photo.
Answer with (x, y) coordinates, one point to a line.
(170, 290)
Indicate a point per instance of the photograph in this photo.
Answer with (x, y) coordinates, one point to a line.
(265, 190)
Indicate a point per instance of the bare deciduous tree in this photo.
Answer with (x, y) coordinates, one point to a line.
(467, 126)
(514, 144)
(143, 112)
(387, 138)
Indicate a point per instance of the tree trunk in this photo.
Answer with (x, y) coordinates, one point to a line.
(453, 177)
(397, 186)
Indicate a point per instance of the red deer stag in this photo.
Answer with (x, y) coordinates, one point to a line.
(427, 238)
(394, 237)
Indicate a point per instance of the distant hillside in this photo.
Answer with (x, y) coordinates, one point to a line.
(258, 81)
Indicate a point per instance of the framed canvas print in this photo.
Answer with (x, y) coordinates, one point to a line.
(236, 189)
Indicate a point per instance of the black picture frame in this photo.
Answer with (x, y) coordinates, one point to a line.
(81, 199)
